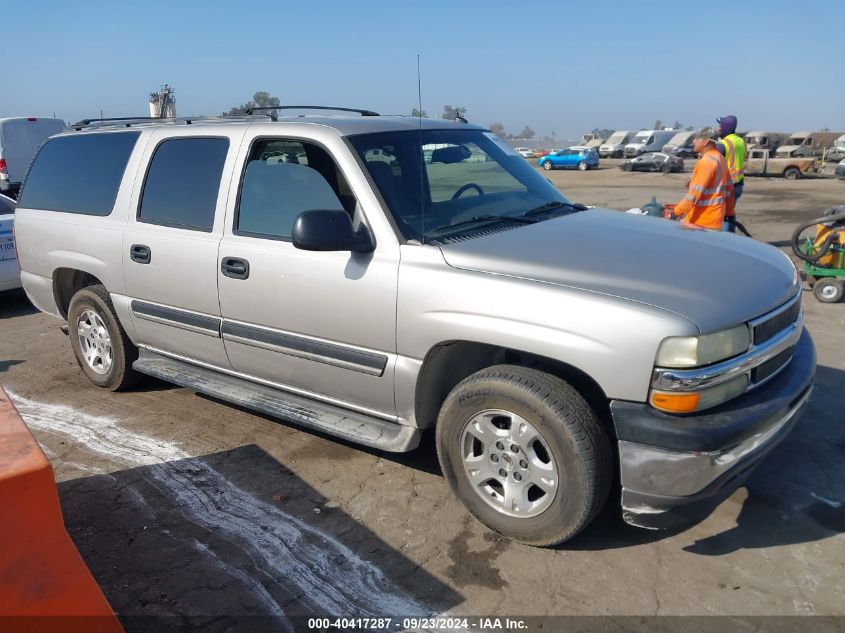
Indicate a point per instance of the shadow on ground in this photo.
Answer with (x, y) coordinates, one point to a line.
(13, 303)
(235, 534)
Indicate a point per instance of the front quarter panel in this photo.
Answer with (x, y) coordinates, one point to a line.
(612, 340)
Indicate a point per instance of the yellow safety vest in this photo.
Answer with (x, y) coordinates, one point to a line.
(735, 152)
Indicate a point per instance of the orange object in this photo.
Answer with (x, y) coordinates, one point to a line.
(675, 402)
(44, 583)
(710, 195)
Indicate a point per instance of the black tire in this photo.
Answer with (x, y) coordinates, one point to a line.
(666, 168)
(582, 166)
(548, 165)
(120, 374)
(792, 173)
(828, 290)
(567, 425)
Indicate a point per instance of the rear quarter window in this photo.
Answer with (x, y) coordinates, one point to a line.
(78, 174)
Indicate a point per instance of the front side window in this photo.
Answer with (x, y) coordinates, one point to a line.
(435, 179)
(78, 173)
(284, 178)
(183, 182)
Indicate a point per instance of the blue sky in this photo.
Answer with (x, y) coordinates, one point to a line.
(565, 67)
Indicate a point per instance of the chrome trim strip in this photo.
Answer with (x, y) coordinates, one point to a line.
(309, 348)
(276, 385)
(703, 377)
(182, 319)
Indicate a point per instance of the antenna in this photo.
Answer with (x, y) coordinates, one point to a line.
(422, 156)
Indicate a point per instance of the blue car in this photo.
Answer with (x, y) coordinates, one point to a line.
(583, 158)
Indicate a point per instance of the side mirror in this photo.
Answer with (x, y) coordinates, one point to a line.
(330, 230)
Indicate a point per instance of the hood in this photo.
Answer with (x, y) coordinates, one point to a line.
(714, 279)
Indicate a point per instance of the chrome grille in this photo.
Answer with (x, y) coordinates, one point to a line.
(771, 367)
(772, 327)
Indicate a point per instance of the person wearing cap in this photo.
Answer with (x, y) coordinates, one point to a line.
(710, 195)
(732, 147)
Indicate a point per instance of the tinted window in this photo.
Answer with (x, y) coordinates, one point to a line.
(78, 174)
(183, 182)
(276, 188)
(7, 205)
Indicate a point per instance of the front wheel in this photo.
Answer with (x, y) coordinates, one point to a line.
(582, 166)
(547, 165)
(792, 173)
(99, 343)
(525, 453)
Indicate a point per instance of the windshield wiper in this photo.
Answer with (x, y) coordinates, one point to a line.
(550, 206)
(485, 218)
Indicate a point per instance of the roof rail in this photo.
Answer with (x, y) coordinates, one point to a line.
(149, 120)
(311, 107)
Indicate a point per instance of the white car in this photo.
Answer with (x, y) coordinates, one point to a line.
(10, 273)
(526, 152)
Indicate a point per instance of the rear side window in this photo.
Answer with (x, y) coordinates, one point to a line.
(183, 182)
(78, 174)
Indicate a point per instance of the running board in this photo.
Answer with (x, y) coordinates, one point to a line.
(349, 425)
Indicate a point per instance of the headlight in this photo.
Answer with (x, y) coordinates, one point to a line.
(694, 351)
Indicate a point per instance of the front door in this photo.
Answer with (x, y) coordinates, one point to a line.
(321, 324)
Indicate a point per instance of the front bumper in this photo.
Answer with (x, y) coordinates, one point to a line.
(676, 469)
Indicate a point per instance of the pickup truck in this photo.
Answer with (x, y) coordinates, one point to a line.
(322, 270)
(761, 163)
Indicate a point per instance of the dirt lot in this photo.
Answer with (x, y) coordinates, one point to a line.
(182, 505)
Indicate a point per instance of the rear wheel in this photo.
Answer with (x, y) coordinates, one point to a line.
(792, 173)
(828, 290)
(99, 343)
(525, 453)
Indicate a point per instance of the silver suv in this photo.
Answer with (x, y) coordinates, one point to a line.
(375, 277)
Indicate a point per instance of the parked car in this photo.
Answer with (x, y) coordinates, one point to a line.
(582, 158)
(20, 138)
(837, 152)
(614, 147)
(681, 145)
(315, 293)
(840, 170)
(526, 152)
(10, 273)
(648, 141)
(808, 144)
(653, 161)
(760, 162)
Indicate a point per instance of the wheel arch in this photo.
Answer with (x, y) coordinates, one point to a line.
(67, 282)
(449, 362)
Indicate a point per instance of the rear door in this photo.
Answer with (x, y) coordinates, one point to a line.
(17, 148)
(170, 245)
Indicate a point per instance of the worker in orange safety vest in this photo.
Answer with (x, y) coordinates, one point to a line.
(710, 195)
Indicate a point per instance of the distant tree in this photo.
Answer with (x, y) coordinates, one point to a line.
(825, 129)
(498, 129)
(419, 113)
(260, 99)
(657, 125)
(452, 113)
(527, 132)
(690, 128)
(602, 132)
(677, 125)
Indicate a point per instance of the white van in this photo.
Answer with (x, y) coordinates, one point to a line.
(648, 141)
(681, 145)
(614, 147)
(20, 138)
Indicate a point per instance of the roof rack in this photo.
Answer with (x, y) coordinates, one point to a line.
(311, 107)
(131, 121)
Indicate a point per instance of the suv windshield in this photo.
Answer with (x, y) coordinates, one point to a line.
(436, 182)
